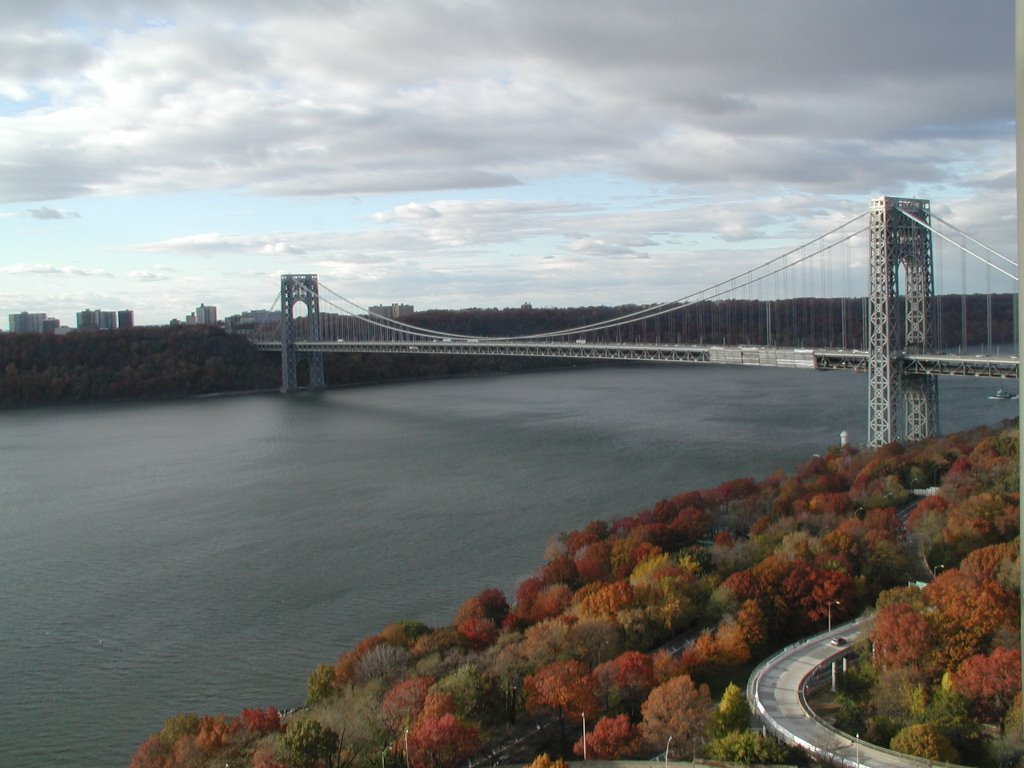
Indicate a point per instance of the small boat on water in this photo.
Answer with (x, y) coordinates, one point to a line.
(1003, 395)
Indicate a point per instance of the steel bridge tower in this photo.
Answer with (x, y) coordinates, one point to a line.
(901, 406)
(300, 289)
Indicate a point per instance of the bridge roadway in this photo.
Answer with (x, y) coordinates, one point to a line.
(777, 692)
(997, 366)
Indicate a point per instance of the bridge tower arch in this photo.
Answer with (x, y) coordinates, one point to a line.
(304, 290)
(901, 406)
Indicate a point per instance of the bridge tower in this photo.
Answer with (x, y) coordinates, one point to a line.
(300, 289)
(901, 406)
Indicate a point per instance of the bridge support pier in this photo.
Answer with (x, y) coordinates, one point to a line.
(300, 289)
(900, 406)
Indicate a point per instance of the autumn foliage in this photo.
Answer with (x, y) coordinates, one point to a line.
(441, 742)
(945, 656)
(613, 738)
(728, 574)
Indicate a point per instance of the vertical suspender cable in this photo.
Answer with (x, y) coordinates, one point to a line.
(939, 336)
(963, 302)
(988, 309)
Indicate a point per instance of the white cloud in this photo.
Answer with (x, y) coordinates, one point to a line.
(596, 246)
(211, 243)
(407, 212)
(145, 276)
(50, 269)
(496, 135)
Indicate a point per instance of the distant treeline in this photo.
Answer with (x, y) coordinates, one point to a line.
(134, 363)
(186, 361)
(166, 362)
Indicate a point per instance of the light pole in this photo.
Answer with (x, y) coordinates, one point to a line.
(935, 570)
(408, 762)
(667, 743)
(584, 734)
(829, 605)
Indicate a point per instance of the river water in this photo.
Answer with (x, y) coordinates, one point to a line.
(207, 555)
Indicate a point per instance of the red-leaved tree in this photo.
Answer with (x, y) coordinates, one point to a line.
(403, 702)
(625, 681)
(901, 636)
(260, 720)
(989, 683)
(613, 738)
(441, 742)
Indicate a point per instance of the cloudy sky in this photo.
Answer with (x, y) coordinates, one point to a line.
(443, 153)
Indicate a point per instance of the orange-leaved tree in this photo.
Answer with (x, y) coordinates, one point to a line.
(565, 688)
(679, 709)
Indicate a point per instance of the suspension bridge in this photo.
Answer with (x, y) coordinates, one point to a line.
(797, 310)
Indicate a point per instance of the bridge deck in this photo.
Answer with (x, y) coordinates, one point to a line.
(993, 366)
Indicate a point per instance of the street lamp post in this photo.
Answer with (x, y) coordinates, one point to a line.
(584, 734)
(829, 605)
(935, 570)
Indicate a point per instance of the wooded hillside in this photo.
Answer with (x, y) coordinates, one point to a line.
(728, 575)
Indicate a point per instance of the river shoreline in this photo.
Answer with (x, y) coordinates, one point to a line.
(221, 552)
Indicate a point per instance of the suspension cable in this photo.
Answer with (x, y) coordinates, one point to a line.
(724, 287)
(980, 258)
(973, 240)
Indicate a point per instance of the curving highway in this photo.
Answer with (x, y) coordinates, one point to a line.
(776, 691)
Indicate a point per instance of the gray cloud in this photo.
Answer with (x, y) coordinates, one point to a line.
(311, 101)
(51, 213)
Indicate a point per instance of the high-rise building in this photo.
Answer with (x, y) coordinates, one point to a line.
(32, 322)
(252, 320)
(88, 320)
(394, 311)
(126, 318)
(205, 315)
(96, 320)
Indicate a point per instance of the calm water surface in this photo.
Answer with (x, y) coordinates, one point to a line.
(206, 555)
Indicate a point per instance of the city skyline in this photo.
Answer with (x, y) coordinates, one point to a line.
(446, 155)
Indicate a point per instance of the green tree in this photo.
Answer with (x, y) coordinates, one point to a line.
(925, 740)
(733, 712)
(320, 685)
(475, 695)
(748, 747)
(184, 724)
(307, 743)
